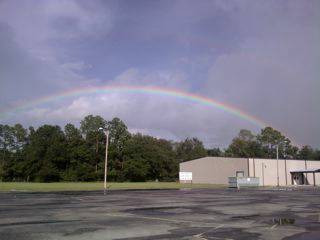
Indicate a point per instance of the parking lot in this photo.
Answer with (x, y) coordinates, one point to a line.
(162, 214)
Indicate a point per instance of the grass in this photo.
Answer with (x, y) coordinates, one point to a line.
(88, 186)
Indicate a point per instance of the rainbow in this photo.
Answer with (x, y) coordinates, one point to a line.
(153, 90)
(18, 107)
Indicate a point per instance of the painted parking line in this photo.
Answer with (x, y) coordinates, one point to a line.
(274, 226)
(200, 235)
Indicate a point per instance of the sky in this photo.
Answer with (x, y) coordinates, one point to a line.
(262, 57)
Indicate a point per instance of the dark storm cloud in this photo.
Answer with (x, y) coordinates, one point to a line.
(261, 56)
(274, 74)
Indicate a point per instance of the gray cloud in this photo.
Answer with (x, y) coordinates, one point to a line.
(274, 73)
(260, 56)
(34, 40)
(163, 116)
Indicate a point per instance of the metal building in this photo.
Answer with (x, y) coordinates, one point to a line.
(271, 172)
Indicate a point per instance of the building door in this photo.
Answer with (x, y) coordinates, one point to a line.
(298, 178)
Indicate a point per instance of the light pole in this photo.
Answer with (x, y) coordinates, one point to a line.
(278, 165)
(262, 168)
(277, 148)
(285, 162)
(106, 160)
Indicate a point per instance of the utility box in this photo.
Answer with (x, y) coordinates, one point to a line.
(236, 182)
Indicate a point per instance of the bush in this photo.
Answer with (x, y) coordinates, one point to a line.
(136, 170)
(48, 173)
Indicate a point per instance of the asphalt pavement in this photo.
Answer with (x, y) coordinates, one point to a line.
(162, 214)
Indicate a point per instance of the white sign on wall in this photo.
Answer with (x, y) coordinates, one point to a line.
(185, 176)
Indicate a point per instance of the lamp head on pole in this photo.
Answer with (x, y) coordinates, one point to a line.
(105, 130)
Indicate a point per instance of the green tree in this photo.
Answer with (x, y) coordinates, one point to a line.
(189, 149)
(78, 167)
(46, 154)
(14, 167)
(118, 137)
(244, 145)
(72, 133)
(269, 138)
(136, 170)
(246, 135)
(89, 127)
(316, 154)
(91, 124)
(288, 151)
(306, 153)
(155, 156)
(214, 152)
(6, 147)
(20, 136)
(50, 154)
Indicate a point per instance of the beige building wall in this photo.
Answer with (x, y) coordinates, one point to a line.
(313, 165)
(266, 170)
(293, 165)
(214, 170)
(217, 170)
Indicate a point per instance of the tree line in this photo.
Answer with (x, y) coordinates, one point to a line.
(49, 153)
